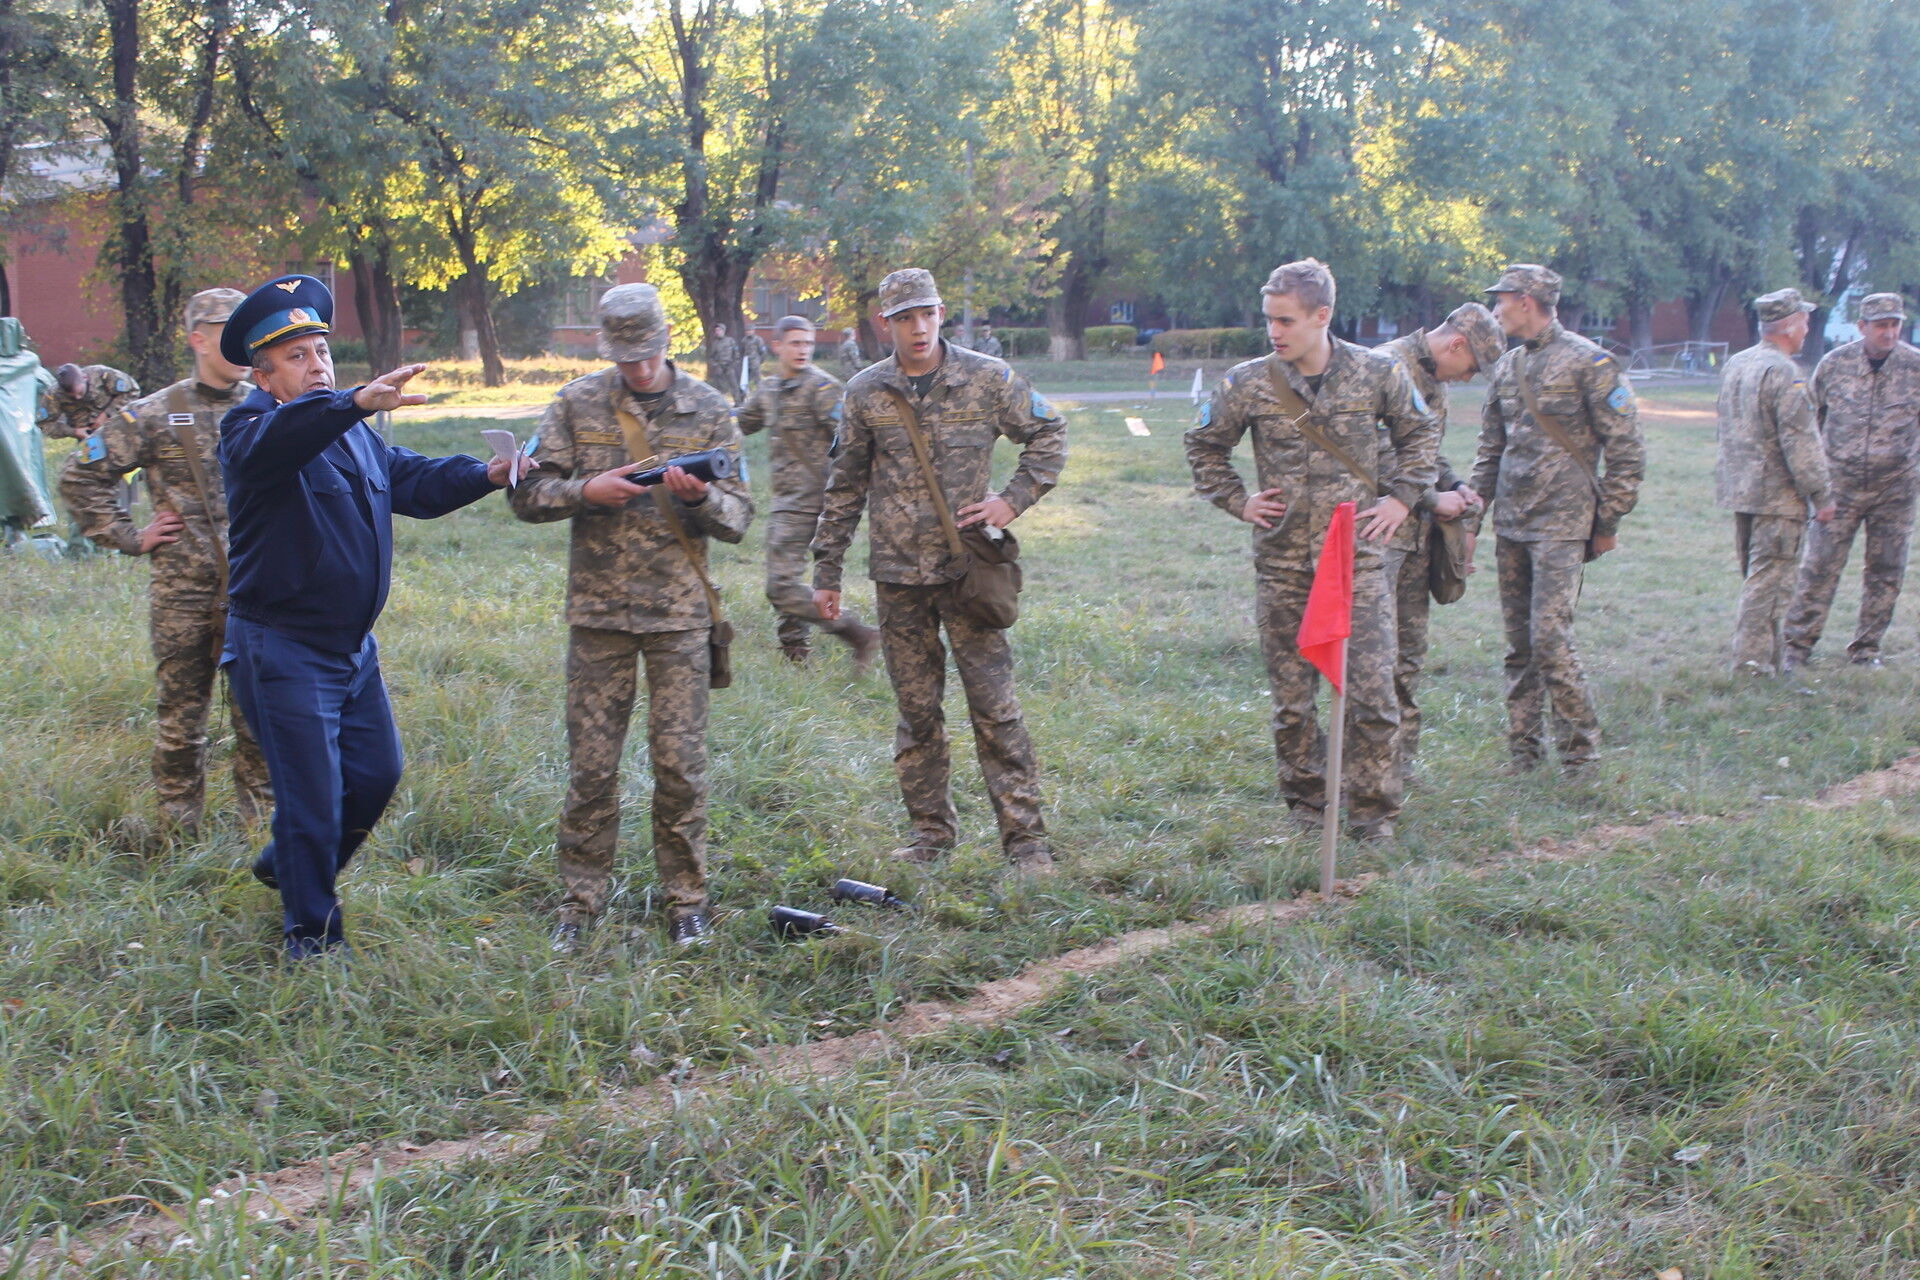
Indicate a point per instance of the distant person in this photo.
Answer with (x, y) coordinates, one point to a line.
(173, 438)
(82, 399)
(723, 364)
(311, 492)
(1331, 422)
(638, 591)
(757, 355)
(1772, 471)
(799, 406)
(850, 361)
(987, 344)
(961, 403)
(1866, 398)
(1559, 406)
(1467, 342)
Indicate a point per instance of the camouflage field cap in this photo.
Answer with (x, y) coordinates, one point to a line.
(1483, 334)
(906, 289)
(1882, 306)
(212, 306)
(633, 324)
(1531, 280)
(1780, 304)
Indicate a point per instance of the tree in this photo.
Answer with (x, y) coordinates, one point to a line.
(29, 108)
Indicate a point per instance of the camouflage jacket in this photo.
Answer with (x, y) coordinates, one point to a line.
(143, 435)
(1367, 404)
(1412, 352)
(801, 415)
(1535, 489)
(1870, 422)
(626, 571)
(104, 390)
(723, 354)
(973, 400)
(1771, 463)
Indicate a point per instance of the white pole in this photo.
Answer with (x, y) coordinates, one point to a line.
(1336, 751)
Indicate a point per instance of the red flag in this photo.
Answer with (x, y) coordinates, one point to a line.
(1328, 621)
(1159, 363)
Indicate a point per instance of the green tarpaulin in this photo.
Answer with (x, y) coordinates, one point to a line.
(25, 499)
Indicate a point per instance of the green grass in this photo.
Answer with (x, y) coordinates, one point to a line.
(1450, 1077)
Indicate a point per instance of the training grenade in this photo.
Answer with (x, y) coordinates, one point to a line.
(708, 465)
(874, 895)
(792, 922)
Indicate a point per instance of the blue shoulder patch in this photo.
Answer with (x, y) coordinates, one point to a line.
(1006, 374)
(1204, 418)
(1620, 399)
(839, 413)
(1420, 401)
(96, 447)
(1041, 409)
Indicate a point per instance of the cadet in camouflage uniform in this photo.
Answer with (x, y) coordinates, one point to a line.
(187, 543)
(1866, 398)
(1551, 511)
(850, 361)
(964, 401)
(633, 593)
(986, 344)
(1771, 471)
(1467, 342)
(723, 364)
(799, 405)
(1349, 392)
(82, 399)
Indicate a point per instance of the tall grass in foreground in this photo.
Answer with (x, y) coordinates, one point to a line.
(1449, 1077)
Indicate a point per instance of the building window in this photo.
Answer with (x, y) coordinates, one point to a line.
(580, 302)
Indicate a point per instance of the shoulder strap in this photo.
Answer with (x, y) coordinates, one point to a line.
(911, 420)
(1550, 424)
(182, 420)
(635, 433)
(1303, 421)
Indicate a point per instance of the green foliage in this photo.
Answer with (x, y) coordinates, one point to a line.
(1111, 339)
(1235, 343)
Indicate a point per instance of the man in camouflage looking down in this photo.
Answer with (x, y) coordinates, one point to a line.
(963, 402)
(1771, 472)
(1553, 509)
(1315, 408)
(634, 594)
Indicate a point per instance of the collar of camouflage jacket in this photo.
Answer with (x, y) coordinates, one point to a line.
(1340, 362)
(1552, 333)
(679, 391)
(953, 368)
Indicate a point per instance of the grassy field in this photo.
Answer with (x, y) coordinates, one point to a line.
(1689, 1051)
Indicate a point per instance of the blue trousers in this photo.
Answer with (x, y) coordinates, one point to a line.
(332, 750)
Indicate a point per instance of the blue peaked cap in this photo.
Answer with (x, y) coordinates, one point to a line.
(279, 309)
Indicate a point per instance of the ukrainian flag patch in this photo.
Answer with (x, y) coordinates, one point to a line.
(1620, 400)
(96, 447)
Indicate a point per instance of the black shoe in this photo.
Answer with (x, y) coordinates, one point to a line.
(263, 872)
(1867, 660)
(691, 929)
(306, 950)
(566, 937)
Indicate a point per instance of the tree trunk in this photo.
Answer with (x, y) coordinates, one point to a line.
(376, 301)
(472, 290)
(1640, 324)
(130, 245)
(863, 331)
(1703, 307)
(1067, 314)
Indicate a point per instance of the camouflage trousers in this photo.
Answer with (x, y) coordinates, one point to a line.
(910, 621)
(600, 693)
(1370, 774)
(1769, 552)
(185, 667)
(1412, 610)
(789, 589)
(1539, 588)
(1887, 514)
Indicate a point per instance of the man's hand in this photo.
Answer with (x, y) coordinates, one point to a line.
(1827, 512)
(384, 393)
(828, 603)
(1450, 506)
(497, 471)
(1384, 519)
(165, 528)
(1264, 508)
(612, 488)
(994, 510)
(1600, 544)
(691, 490)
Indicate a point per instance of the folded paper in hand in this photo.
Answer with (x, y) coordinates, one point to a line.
(506, 447)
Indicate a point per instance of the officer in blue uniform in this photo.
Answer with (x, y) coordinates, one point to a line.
(311, 492)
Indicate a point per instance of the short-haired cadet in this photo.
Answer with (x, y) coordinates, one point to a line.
(311, 494)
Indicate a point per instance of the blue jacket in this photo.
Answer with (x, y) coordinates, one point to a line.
(311, 492)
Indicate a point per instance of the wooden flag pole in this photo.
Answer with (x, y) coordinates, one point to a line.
(1336, 752)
